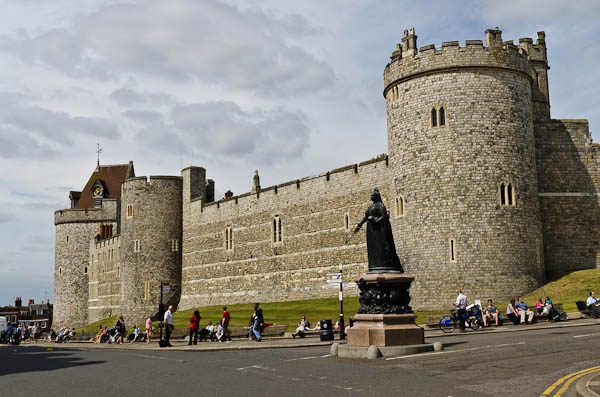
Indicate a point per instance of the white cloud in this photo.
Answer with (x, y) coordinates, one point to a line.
(181, 41)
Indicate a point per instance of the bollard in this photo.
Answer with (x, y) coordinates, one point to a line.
(438, 346)
(334, 349)
(373, 352)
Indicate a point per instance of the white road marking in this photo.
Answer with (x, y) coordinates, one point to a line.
(308, 358)
(155, 357)
(456, 351)
(583, 336)
(256, 367)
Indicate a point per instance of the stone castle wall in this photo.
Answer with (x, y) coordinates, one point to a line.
(314, 229)
(450, 175)
(71, 259)
(441, 185)
(156, 222)
(104, 274)
(569, 179)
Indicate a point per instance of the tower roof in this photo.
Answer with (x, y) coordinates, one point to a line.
(111, 177)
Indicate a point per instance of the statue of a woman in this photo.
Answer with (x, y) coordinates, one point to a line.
(380, 242)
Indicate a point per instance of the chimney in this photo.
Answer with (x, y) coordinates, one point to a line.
(18, 302)
(30, 302)
(228, 194)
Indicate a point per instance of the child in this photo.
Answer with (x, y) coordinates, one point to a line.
(539, 306)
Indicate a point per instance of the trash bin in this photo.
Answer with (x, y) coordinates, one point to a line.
(326, 330)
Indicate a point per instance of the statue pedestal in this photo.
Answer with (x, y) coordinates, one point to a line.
(385, 317)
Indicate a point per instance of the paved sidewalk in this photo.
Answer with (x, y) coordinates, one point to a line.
(180, 345)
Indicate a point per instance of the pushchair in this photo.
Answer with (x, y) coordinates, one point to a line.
(113, 335)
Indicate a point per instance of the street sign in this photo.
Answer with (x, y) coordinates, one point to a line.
(166, 287)
(334, 281)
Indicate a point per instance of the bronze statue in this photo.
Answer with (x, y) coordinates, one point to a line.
(381, 249)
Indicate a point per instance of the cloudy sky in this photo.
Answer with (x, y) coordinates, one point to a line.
(289, 88)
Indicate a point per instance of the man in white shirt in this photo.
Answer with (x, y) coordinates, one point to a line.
(168, 325)
(461, 308)
(592, 304)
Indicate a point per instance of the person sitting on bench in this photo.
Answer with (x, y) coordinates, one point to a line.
(490, 313)
(301, 328)
(524, 312)
(592, 304)
(512, 313)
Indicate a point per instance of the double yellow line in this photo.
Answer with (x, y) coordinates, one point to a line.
(568, 379)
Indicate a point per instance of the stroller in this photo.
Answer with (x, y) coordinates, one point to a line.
(112, 335)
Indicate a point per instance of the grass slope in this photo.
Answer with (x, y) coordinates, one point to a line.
(565, 289)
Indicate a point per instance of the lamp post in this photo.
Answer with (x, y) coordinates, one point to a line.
(342, 328)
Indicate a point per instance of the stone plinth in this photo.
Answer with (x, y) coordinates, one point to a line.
(385, 330)
(385, 318)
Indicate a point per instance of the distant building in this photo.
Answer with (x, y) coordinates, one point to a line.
(31, 314)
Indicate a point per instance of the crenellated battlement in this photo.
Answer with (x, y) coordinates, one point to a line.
(407, 62)
(108, 212)
(268, 196)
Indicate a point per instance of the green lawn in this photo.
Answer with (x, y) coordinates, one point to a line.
(565, 289)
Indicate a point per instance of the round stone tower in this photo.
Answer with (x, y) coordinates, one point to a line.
(151, 222)
(462, 164)
(74, 230)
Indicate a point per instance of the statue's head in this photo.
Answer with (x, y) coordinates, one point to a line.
(375, 195)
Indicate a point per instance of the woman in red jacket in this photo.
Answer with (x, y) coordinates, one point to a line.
(194, 325)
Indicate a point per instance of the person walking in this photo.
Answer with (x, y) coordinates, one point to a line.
(149, 329)
(194, 325)
(461, 308)
(258, 320)
(225, 324)
(168, 326)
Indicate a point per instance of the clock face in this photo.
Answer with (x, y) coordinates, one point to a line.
(97, 191)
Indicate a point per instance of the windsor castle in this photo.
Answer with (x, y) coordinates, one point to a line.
(485, 191)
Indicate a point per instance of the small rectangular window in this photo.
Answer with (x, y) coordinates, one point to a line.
(67, 239)
(129, 210)
(442, 116)
(346, 221)
(137, 246)
(228, 239)
(174, 245)
(399, 207)
(452, 249)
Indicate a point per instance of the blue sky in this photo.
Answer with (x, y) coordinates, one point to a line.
(289, 88)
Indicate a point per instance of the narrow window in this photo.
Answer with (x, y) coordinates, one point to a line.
(442, 116)
(147, 290)
(537, 79)
(137, 247)
(67, 239)
(85, 270)
(279, 230)
(433, 118)
(502, 194)
(129, 210)
(175, 245)
(509, 194)
(399, 207)
(452, 248)
(277, 233)
(346, 221)
(60, 271)
(118, 271)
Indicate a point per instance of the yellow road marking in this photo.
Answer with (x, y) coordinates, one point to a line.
(568, 383)
(583, 372)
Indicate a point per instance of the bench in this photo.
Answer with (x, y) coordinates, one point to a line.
(235, 332)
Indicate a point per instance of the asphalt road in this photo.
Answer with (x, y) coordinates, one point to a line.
(477, 364)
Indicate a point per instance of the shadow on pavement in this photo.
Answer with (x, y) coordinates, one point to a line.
(15, 359)
(453, 343)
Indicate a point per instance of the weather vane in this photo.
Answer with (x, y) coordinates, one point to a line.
(98, 151)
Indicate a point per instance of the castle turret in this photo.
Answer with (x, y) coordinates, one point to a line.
(97, 204)
(462, 164)
(151, 224)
